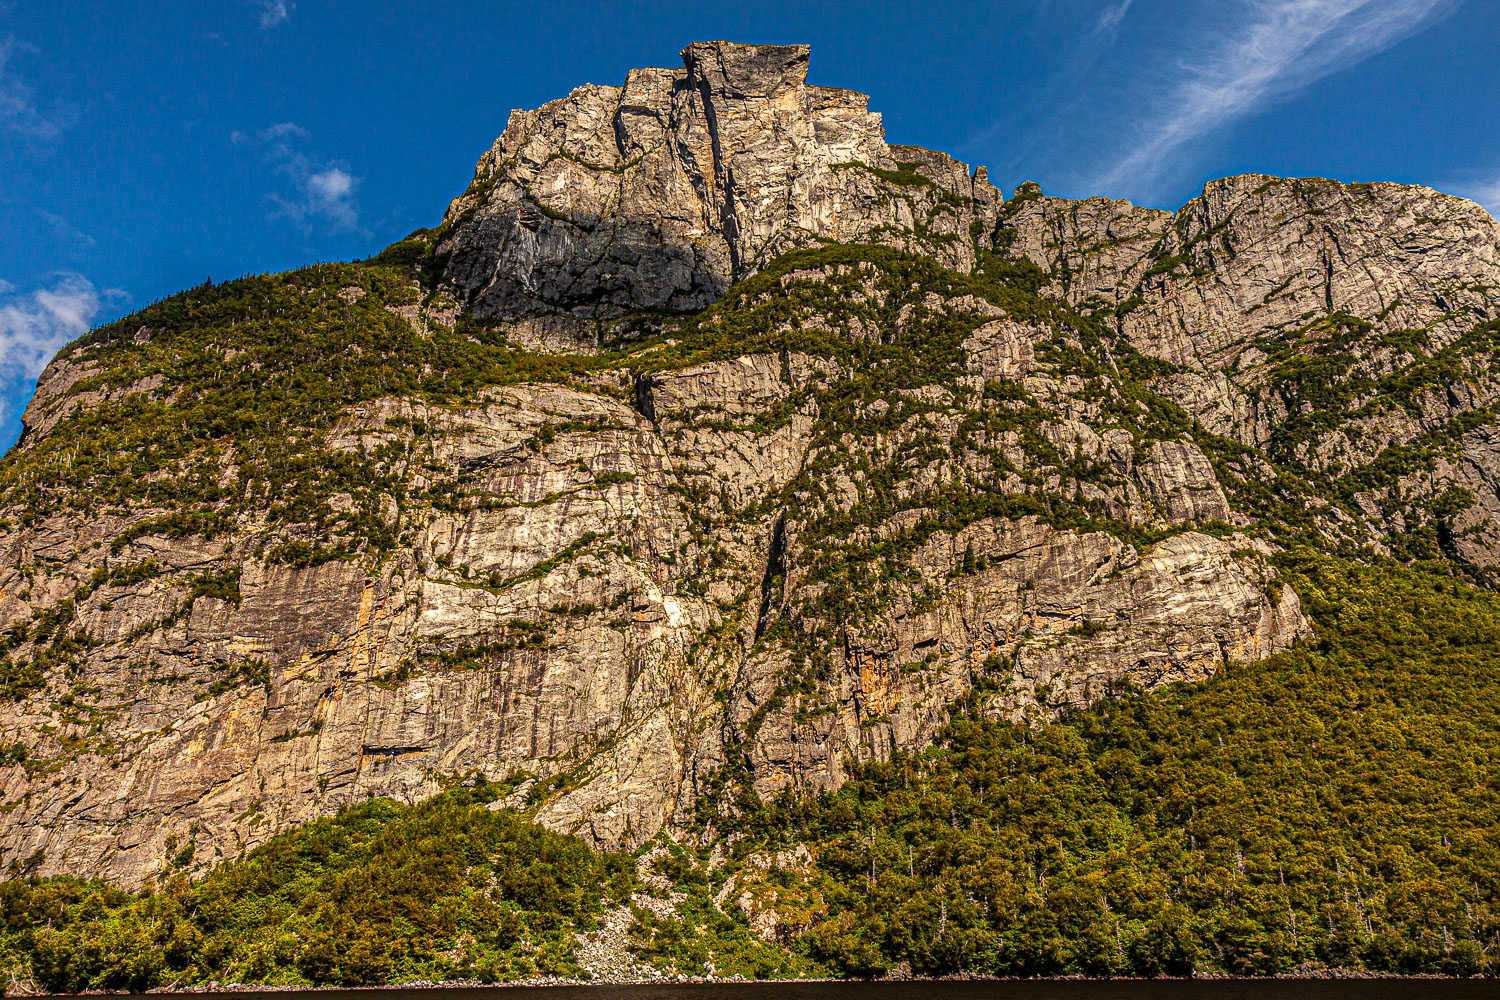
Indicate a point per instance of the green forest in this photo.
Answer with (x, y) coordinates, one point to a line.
(1336, 805)
(379, 893)
(1333, 806)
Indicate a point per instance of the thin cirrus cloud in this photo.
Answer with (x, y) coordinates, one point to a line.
(34, 326)
(1111, 16)
(274, 13)
(1268, 48)
(318, 193)
(1487, 193)
(70, 239)
(1022, 147)
(18, 110)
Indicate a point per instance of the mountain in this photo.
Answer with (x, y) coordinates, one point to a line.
(713, 452)
(661, 193)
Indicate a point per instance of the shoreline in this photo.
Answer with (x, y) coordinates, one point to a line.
(666, 980)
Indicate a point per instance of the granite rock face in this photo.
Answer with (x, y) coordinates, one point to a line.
(600, 618)
(1254, 255)
(787, 534)
(1326, 326)
(659, 193)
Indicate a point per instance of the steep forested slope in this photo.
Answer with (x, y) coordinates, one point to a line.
(1335, 805)
(1332, 806)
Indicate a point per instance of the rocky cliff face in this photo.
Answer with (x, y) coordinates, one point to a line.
(1341, 334)
(660, 193)
(710, 442)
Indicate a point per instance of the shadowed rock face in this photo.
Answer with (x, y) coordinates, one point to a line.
(786, 536)
(658, 194)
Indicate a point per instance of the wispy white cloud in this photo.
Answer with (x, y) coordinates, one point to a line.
(330, 193)
(18, 110)
(1111, 16)
(1060, 92)
(282, 135)
(72, 239)
(320, 192)
(35, 325)
(1266, 49)
(274, 13)
(1485, 192)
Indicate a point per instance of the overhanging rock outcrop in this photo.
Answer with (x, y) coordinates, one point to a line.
(660, 193)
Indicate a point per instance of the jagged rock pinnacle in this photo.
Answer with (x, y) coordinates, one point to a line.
(659, 193)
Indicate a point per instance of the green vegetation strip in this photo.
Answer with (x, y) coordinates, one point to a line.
(379, 893)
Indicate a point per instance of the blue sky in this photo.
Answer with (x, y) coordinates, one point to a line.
(145, 146)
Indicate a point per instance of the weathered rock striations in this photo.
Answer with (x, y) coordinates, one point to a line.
(272, 547)
(1254, 255)
(660, 193)
(1324, 324)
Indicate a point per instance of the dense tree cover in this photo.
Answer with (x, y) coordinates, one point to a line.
(1334, 805)
(378, 893)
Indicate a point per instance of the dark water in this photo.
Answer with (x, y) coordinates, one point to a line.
(1202, 989)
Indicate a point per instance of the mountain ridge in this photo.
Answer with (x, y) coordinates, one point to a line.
(710, 499)
(659, 193)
